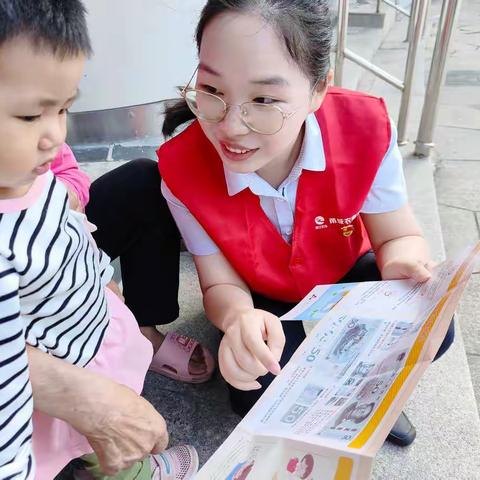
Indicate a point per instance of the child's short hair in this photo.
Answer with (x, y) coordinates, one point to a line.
(58, 25)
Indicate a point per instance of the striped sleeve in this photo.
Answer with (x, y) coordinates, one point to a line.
(16, 403)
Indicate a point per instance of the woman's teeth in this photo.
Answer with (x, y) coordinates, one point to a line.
(236, 150)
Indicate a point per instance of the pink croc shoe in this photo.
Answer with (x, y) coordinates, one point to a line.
(173, 357)
(176, 463)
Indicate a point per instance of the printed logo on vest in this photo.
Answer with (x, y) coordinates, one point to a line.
(345, 224)
(348, 230)
(320, 223)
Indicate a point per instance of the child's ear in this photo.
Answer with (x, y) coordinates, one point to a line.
(320, 91)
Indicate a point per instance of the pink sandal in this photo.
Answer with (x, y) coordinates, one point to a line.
(173, 357)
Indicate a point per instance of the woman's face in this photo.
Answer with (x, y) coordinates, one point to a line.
(242, 59)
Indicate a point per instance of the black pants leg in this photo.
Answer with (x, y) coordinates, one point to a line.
(135, 224)
(363, 271)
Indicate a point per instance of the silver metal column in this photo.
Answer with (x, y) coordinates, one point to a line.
(341, 41)
(424, 142)
(419, 13)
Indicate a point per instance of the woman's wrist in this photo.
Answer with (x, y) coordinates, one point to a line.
(60, 389)
(225, 304)
(412, 246)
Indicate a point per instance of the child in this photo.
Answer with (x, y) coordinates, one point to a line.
(53, 278)
(282, 183)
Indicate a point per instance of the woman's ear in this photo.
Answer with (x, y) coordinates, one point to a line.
(320, 91)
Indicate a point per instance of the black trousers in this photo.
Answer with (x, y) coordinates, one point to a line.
(363, 271)
(135, 224)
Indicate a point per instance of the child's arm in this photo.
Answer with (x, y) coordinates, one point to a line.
(399, 245)
(65, 168)
(243, 354)
(16, 405)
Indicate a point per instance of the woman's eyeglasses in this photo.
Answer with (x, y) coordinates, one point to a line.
(262, 118)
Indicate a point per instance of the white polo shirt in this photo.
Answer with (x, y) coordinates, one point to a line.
(388, 192)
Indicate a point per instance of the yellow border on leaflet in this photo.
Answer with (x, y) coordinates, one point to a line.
(370, 427)
(458, 276)
(344, 469)
(402, 377)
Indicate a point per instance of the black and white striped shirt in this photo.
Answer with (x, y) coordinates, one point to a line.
(52, 279)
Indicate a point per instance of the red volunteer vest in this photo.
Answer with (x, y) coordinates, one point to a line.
(328, 235)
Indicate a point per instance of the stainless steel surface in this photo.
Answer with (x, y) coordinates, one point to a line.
(142, 123)
(341, 41)
(419, 13)
(384, 75)
(448, 17)
(397, 7)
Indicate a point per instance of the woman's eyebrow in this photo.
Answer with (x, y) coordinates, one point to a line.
(206, 68)
(275, 80)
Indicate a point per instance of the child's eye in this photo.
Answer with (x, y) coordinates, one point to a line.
(29, 118)
(264, 100)
(63, 111)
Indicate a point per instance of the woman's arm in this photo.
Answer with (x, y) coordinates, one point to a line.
(399, 245)
(243, 353)
(65, 168)
(120, 426)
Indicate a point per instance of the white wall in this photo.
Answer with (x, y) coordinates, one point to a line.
(143, 49)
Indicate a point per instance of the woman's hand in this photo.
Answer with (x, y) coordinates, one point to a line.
(399, 246)
(407, 265)
(243, 355)
(121, 427)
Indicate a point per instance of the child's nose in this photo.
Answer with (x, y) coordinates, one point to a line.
(54, 134)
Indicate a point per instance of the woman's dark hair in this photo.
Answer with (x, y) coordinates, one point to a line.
(304, 26)
(59, 26)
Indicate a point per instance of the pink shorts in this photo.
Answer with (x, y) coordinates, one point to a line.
(124, 356)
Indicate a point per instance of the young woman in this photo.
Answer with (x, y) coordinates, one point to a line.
(282, 183)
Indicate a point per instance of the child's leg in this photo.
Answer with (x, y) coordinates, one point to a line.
(180, 462)
(139, 471)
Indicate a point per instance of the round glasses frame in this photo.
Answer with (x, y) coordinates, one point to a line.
(226, 106)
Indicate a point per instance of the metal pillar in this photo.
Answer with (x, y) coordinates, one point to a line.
(418, 12)
(341, 41)
(404, 85)
(448, 17)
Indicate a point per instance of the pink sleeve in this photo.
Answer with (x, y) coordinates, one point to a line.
(65, 167)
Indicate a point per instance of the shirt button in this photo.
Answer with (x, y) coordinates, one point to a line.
(288, 231)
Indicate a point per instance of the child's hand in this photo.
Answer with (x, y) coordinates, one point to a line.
(113, 286)
(243, 355)
(74, 201)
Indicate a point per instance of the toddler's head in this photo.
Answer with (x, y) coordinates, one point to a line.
(43, 47)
